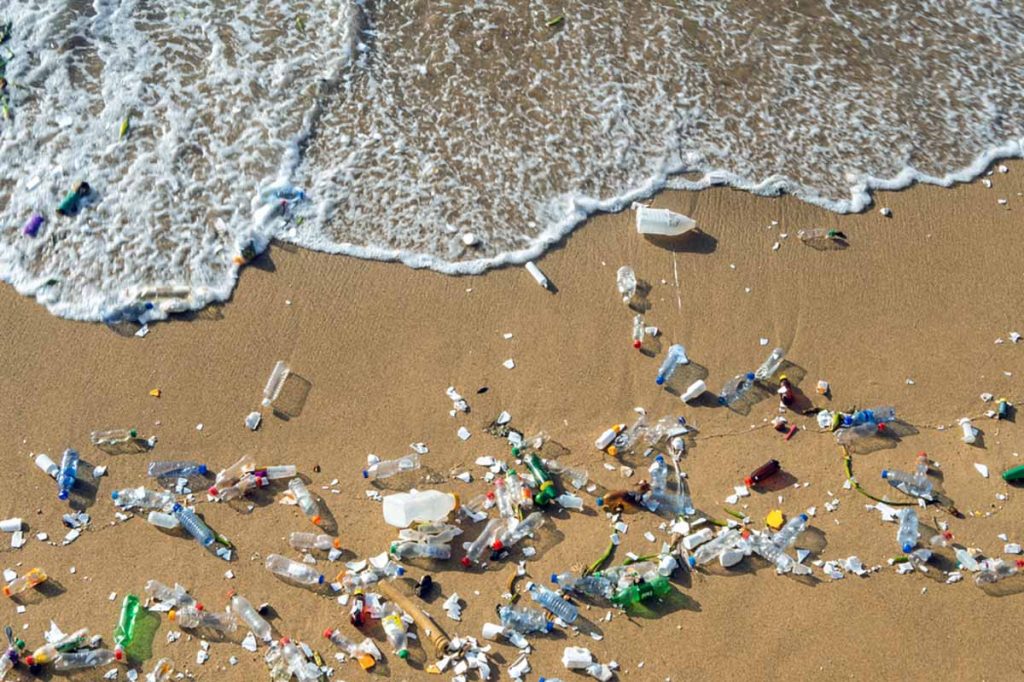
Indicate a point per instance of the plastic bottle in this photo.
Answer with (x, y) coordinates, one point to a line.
(788, 534)
(763, 546)
(420, 550)
(307, 503)
(71, 201)
(360, 652)
(710, 550)
(88, 658)
(762, 473)
(182, 469)
(627, 439)
(397, 633)
(608, 436)
(662, 222)
(176, 596)
(638, 331)
(569, 501)
(190, 617)
(553, 602)
(308, 541)
(50, 651)
(357, 613)
(524, 620)
(430, 533)
(787, 395)
(124, 633)
(1014, 474)
(675, 357)
(525, 527)
(596, 585)
(303, 670)
(736, 389)
(970, 434)
(576, 476)
(47, 465)
(389, 467)
(908, 483)
(876, 415)
(68, 473)
(113, 437)
(771, 365)
(283, 567)
(695, 389)
(275, 383)
(658, 475)
(817, 233)
(193, 525)
(546, 490)
(162, 520)
(625, 281)
(921, 469)
(476, 550)
(537, 275)
(517, 493)
(26, 582)
(142, 498)
(403, 509)
(850, 435)
(279, 471)
(248, 614)
(994, 571)
(249, 481)
(907, 534)
(641, 592)
(234, 472)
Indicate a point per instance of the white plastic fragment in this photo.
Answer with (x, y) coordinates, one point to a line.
(509, 364)
(249, 643)
(981, 469)
(252, 421)
(463, 433)
(452, 608)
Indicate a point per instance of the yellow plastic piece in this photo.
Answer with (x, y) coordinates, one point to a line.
(155, 392)
(775, 519)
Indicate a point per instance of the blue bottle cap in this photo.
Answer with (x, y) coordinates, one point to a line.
(114, 494)
(549, 626)
(321, 580)
(659, 380)
(750, 376)
(907, 548)
(690, 560)
(804, 517)
(62, 495)
(600, 501)
(885, 473)
(554, 578)
(202, 469)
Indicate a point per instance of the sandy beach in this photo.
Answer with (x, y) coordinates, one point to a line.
(908, 315)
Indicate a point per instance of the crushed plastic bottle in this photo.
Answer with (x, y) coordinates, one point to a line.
(50, 651)
(596, 586)
(68, 473)
(875, 415)
(907, 534)
(142, 498)
(420, 550)
(80, 660)
(124, 633)
(771, 365)
(305, 542)
(176, 596)
(625, 281)
(850, 435)
(387, 468)
(303, 670)
(275, 383)
(818, 233)
(642, 591)
(34, 577)
(193, 525)
(511, 537)
(396, 632)
(307, 503)
(248, 614)
(736, 389)
(176, 469)
(658, 475)
(524, 619)
(226, 477)
(638, 333)
(365, 653)
(911, 484)
(788, 534)
(283, 567)
(190, 618)
(113, 437)
(403, 509)
(162, 671)
(675, 357)
(252, 480)
(576, 476)
(711, 549)
(995, 570)
(553, 602)
(476, 550)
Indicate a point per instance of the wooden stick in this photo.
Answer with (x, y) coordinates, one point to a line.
(424, 621)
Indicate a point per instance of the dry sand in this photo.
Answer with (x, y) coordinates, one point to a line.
(922, 295)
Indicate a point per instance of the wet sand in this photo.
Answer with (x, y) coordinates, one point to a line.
(922, 295)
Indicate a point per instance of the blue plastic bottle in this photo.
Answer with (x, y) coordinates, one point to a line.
(676, 356)
(67, 474)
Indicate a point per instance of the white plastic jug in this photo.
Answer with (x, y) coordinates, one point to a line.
(661, 221)
(403, 509)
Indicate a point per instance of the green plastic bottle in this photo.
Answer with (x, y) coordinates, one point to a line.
(124, 633)
(1014, 474)
(640, 592)
(70, 202)
(545, 487)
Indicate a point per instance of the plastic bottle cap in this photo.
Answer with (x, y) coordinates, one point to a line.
(549, 626)
(690, 560)
(885, 473)
(172, 615)
(637, 344)
(202, 470)
(62, 495)
(366, 474)
(600, 501)
(30, 661)
(748, 481)
(401, 571)
(554, 578)
(907, 548)
(118, 653)
(320, 581)
(404, 653)
(612, 450)
(328, 632)
(498, 546)
(804, 517)
(316, 520)
(659, 380)
(750, 376)
(465, 561)
(336, 543)
(114, 494)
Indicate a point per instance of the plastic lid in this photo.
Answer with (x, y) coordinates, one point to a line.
(328, 632)
(465, 561)
(404, 653)
(554, 578)
(320, 581)
(202, 469)
(659, 380)
(885, 473)
(366, 474)
(599, 501)
(549, 626)
(690, 560)
(748, 481)
(907, 547)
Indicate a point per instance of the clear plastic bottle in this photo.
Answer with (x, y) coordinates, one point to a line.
(658, 475)
(995, 570)
(88, 658)
(817, 234)
(193, 525)
(226, 477)
(34, 577)
(307, 503)
(911, 484)
(113, 437)
(404, 509)
(432, 533)
(50, 651)
(850, 435)
(513, 536)
(302, 669)
(396, 632)
(771, 365)
(766, 548)
(364, 653)
(788, 534)
(294, 571)
(970, 434)
(553, 602)
(142, 498)
(479, 548)
(503, 499)
(420, 550)
(275, 383)
(248, 481)
(875, 415)
(305, 542)
(524, 620)
(596, 586)
(675, 357)
(710, 550)
(190, 617)
(163, 520)
(625, 281)
(387, 468)
(278, 471)
(907, 534)
(248, 614)
(176, 596)
(68, 473)
(736, 389)
(576, 476)
(638, 331)
(180, 469)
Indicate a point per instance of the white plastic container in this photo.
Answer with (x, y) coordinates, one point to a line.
(969, 434)
(696, 388)
(661, 221)
(10, 525)
(47, 465)
(539, 276)
(403, 509)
